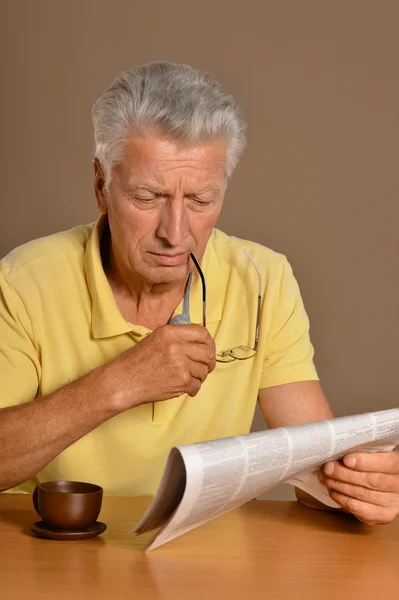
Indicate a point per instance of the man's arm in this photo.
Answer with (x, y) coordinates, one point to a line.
(34, 433)
(293, 404)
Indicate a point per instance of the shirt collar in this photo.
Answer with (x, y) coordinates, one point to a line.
(106, 319)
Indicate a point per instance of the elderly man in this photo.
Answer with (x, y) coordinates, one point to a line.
(110, 350)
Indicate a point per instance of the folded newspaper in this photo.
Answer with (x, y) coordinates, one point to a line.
(203, 481)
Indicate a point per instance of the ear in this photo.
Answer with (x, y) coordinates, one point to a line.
(99, 187)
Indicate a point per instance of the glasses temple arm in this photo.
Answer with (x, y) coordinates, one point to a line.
(197, 265)
(259, 298)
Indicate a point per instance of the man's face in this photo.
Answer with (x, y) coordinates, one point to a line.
(164, 200)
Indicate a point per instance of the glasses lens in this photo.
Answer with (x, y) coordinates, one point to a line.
(225, 356)
(243, 352)
(237, 353)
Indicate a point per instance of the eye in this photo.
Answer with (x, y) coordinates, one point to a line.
(145, 198)
(198, 199)
(198, 203)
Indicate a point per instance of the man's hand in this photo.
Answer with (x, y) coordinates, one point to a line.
(171, 361)
(365, 484)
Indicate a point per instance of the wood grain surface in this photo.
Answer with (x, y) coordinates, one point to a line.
(273, 550)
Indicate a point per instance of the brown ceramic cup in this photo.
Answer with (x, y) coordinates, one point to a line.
(68, 505)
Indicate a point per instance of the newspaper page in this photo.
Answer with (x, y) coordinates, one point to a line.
(203, 481)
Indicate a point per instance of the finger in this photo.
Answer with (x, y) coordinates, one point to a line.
(364, 494)
(376, 481)
(377, 462)
(198, 370)
(198, 373)
(365, 512)
(197, 336)
(191, 333)
(194, 387)
(201, 353)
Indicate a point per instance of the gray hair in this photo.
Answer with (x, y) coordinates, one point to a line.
(174, 99)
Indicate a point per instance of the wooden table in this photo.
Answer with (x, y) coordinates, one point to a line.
(271, 550)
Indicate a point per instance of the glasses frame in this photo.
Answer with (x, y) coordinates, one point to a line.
(231, 354)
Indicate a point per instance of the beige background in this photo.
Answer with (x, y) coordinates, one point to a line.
(318, 82)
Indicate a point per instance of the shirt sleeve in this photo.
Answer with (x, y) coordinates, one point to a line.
(19, 356)
(289, 352)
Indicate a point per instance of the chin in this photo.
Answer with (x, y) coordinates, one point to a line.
(164, 274)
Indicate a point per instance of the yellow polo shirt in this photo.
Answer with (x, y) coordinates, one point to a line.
(59, 320)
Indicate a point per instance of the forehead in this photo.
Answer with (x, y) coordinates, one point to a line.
(162, 159)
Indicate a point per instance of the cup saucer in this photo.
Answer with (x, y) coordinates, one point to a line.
(41, 529)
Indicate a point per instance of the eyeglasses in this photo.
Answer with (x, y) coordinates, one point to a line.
(238, 352)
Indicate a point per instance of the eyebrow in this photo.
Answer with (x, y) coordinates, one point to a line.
(159, 192)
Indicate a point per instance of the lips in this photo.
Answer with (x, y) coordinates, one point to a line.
(170, 259)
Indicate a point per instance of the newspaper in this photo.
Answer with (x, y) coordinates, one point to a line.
(203, 481)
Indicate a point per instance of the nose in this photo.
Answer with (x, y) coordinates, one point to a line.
(173, 225)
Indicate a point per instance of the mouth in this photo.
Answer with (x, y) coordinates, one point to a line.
(169, 259)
